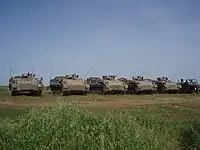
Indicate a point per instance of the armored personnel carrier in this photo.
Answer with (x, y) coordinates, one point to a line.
(130, 83)
(189, 86)
(27, 84)
(140, 85)
(55, 85)
(69, 84)
(113, 85)
(107, 85)
(96, 85)
(167, 86)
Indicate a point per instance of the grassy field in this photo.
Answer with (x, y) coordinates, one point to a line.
(154, 122)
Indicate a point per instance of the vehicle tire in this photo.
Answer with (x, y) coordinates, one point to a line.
(138, 93)
(13, 93)
(84, 93)
(39, 93)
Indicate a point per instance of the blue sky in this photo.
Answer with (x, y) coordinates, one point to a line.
(129, 37)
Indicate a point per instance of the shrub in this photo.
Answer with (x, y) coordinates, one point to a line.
(70, 127)
(191, 135)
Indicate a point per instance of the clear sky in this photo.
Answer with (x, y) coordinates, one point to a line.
(129, 37)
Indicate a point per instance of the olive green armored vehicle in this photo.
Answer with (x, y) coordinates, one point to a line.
(143, 85)
(113, 85)
(69, 84)
(26, 84)
(167, 86)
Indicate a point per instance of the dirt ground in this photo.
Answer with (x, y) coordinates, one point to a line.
(100, 101)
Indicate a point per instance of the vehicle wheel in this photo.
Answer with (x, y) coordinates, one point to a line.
(104, 93)
(38, 93)
(84, 93)
(13, 93)
(122, 93)
(138, 92)
(64, 93)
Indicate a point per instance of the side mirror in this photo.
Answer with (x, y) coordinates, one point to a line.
(41, 78)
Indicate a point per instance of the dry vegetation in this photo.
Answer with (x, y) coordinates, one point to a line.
(100, 122)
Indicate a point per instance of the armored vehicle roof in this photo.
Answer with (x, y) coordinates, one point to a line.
(123, 79)
(109, 77)
(94, 78)
(162, 79)
(24, 76)
(60, 77)
(17, 77)
(72, 76)
(27, 74)
(138, 78)
(68, 76)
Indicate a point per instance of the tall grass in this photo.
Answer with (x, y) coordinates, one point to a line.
(3, 91)
(191, 135)
(72, 127)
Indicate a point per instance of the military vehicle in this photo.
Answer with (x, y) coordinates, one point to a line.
(69, 84)
(131, 85)
(167, 86)
(55, 85)
(141, 85)
(189, 86)
(96, 84)
(113, 85)
(26, 84)
(107, 85)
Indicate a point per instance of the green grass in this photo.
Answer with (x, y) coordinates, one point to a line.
(3, 91)
(70, 127)
(11, 113)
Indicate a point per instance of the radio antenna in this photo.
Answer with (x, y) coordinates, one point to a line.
(118, 73)
(87, 73)
(141, 74)
(10, 72)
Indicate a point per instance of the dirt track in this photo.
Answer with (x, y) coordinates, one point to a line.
(124, 101)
